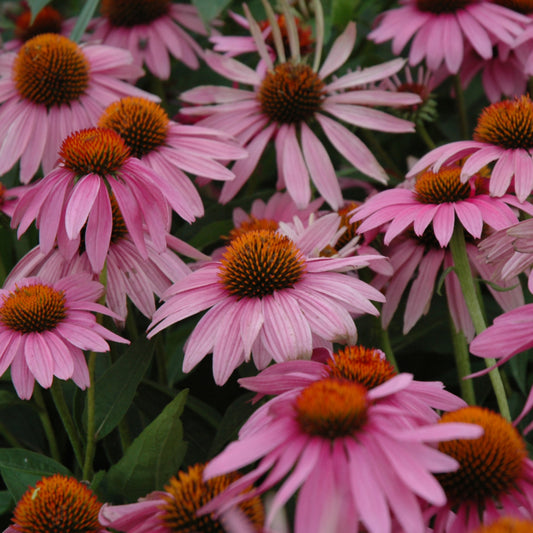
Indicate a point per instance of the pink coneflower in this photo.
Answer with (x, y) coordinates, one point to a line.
(355, 456)
(45, 326)
(503, 136)
(95, 163)
(171, 149)
(287, 102)
(175, 508)
(440, 29)
(151, 30)
(438, 201)
(269, 299)
(51, 88)
(495, 476)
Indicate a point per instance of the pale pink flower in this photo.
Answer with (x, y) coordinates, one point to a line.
(95, 170)
(151, 31)
(355, 456)
(503, 136)
(171, 149)
(269, 299)
(44, 328)
(286, 104)
(51, 88)
(440, 30)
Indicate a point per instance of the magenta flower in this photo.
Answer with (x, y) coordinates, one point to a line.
(151, 31)
(269, 299)
(75, 195)
(286, 103)
(45, 326)
(356, 456)
(503, 136)
(440, 29)
(51, 88)
(171, 149)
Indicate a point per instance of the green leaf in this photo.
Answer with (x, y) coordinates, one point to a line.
(36, 6)
(21, 469)
(153, 457)
(116, 387)
(83, 20)
(342, 11)
(209, 9)
(6, 502)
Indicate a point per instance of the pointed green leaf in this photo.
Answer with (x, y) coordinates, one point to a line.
(153, 457)
(209, 9)
(83, 19)
(21, 469)
(36, 6)
(6, 502)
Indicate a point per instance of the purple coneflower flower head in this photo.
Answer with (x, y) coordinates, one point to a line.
(440, 30)
(44, 328)
(270, 298)
(503, 136)
(495, 476)
(51, 88)
(151, 30)
(354, 455)
(175, 508)
(506, 524)
(287, 102)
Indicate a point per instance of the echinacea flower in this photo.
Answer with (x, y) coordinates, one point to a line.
(171, 149)
(45, 326)
(57, 503)
(354, 456)
(267, 298)
(441, 28)
(51, 88)
(96, 164)
(503, 136)
(287, 103)
(175, 508)
(506, 524)
(495, 476)
(151, 30)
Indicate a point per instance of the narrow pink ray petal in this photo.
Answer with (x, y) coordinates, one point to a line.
(80, 203)
(340, 51)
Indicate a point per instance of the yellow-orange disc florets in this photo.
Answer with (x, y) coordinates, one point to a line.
(50, 70)
(128, 13)
(332, 408)
(252, 224)
(187, 493)
(441, 187)
(141, 123)
(366, 366)
(490, 466)
(259, 263)
(507, 525)
(48, 20)
(33, 309)
(94, 151)
(57, 504)
(508, 124)
(442, 6)
(291, 93)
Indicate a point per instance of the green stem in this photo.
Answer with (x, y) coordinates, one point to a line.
(424, 135)
(386, 346)
(461, 107)
(474, 305)
(90, 448)
(462, 362)
(68, 422)
(47, 423)
(388, 162)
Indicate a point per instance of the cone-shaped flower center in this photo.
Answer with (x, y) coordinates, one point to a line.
(442, 6)
(48, 20)
(507, 524)
(130, 13)
(522, 6)
(508, 124)
(94, 151)
(259, 263)
(441, 187)
(351, 229)
(188, 492)
(33, 308)
(490, 465)
(50, 70)
(57, 504)
(291, 93)
(366, 366)
(252, 224)
(119, 230)
(141, 123)
(332, 408)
